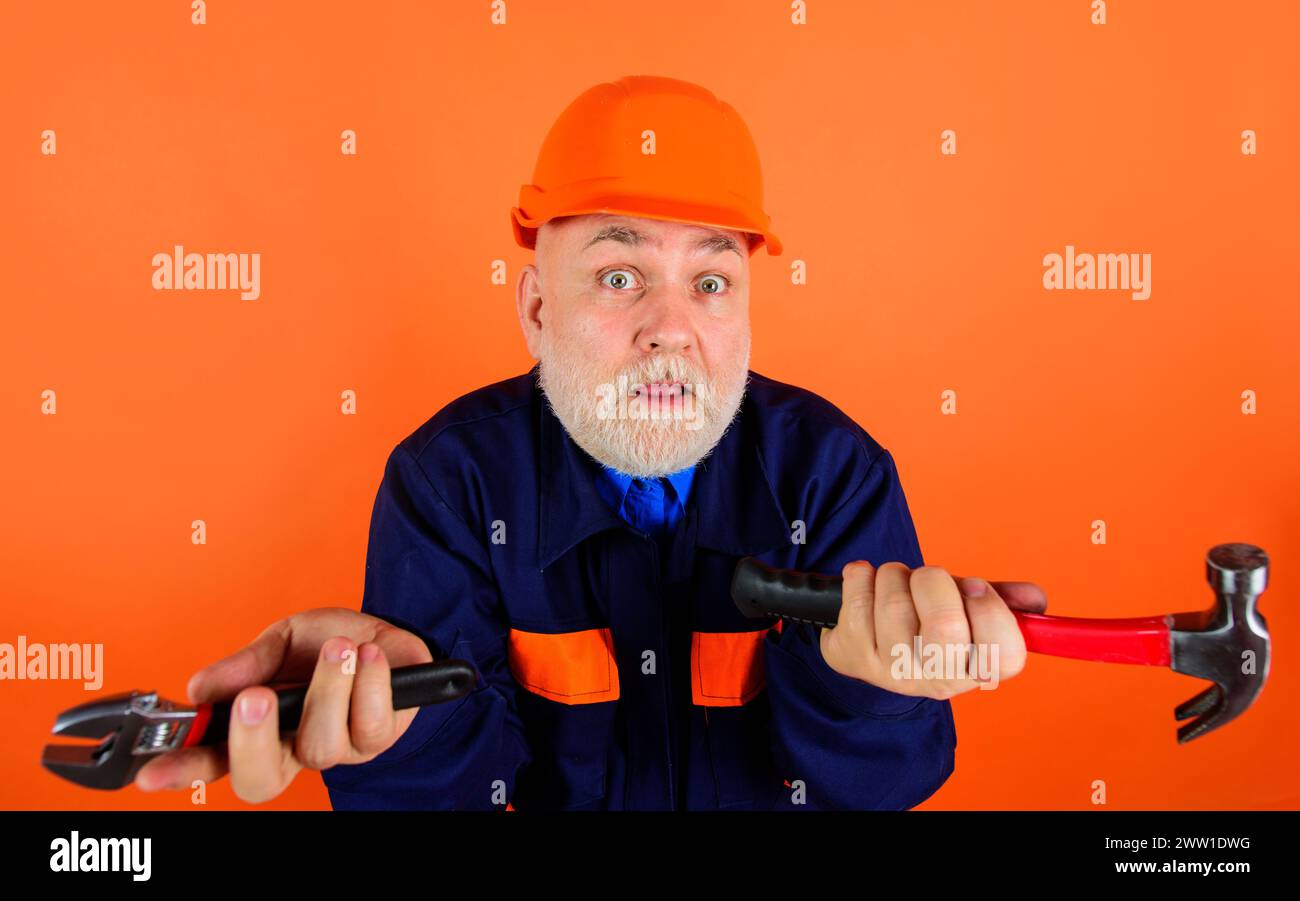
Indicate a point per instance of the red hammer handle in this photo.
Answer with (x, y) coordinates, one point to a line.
(1141, 640)
(761, 590)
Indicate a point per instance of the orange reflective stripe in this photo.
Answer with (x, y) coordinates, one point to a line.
(727, 667)
(569, 667)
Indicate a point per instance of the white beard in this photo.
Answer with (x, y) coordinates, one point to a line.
(635, 434)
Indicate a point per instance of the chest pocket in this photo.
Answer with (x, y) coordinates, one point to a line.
(570, 682)
(567, 667)
(726, 667)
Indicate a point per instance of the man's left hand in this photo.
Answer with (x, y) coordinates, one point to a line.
(967, 621)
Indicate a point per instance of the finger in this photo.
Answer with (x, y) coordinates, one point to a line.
(178, 769)
(323, 739)
(848, 648)
(258, 767)
(857, 599)
(1025, 596)
(253, 665)
(372, 719)
(939, 606)
(999, 644)
(944, 628)
(896, 620)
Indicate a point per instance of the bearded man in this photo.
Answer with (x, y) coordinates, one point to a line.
(572, 533)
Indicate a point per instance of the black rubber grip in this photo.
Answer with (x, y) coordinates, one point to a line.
(761, 591)
(413, 686)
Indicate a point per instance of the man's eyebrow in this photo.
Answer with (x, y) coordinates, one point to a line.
(624, 234)
(718, 243)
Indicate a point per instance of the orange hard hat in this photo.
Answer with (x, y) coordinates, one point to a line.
(648, 146)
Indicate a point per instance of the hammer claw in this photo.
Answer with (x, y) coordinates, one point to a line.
(1209, 709)
(1211, 697)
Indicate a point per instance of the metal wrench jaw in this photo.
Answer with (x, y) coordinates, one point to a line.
(1227, 644)
(134, 727)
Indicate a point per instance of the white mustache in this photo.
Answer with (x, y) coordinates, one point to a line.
(678, 372)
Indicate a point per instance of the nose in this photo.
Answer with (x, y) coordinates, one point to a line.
(667, 327)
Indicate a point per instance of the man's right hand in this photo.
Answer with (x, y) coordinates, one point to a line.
(347, 715)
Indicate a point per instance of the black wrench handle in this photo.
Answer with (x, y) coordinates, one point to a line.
(413, 686)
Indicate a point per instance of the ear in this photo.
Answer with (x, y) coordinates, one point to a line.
(528, 305)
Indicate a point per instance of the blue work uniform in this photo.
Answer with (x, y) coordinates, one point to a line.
(615, 672)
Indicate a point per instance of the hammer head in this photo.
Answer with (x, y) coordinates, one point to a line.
(1227, 644)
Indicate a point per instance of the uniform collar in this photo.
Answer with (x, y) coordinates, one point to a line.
(736, 511)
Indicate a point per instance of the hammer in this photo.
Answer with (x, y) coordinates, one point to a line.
(1227, 644)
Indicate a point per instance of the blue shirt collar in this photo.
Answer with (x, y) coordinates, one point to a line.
(613, 485)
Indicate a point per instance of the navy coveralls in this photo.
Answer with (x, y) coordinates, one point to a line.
(618, 675)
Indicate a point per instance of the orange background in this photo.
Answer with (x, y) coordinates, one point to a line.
(924, 274)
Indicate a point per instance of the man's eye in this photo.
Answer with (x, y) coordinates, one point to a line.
(620, 279)
(712, 284)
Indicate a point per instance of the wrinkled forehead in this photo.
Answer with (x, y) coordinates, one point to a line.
(590, 229)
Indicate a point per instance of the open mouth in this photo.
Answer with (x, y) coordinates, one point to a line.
(661, 390)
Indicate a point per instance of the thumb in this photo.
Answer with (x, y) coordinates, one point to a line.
(1026, 596)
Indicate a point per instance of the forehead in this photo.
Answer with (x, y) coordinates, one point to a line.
(594, 229)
